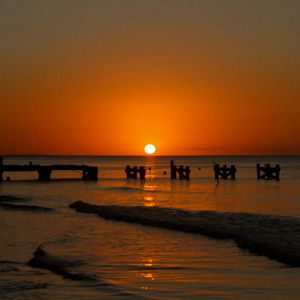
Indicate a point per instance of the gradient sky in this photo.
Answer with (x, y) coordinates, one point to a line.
(192, 77)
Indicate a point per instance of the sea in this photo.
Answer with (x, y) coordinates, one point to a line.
(131, 261)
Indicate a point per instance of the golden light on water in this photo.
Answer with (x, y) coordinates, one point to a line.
(149, 201)
(150, 149)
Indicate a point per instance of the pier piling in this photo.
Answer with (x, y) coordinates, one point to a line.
(44, 173)
(224, 172)
(132, 173)
(267, 172)
(183, 172)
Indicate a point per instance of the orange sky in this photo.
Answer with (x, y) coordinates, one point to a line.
(192, 77)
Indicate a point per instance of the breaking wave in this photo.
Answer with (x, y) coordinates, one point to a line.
(58, 265)
(66, 267)
(276, 237)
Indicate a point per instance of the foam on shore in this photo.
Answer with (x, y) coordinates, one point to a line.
(58, 265)
(276, 237)
(68, 268)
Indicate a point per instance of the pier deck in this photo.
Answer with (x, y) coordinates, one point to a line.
(44, 171)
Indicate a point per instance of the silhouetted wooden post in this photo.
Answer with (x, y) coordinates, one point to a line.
(84, 174)
(93, 174)
(258, 171)
(232, 172)
(187, 173)
(180, 172)
(224, 174)
(277, 170)
(268, 171)
(128, 171)
(135, 170)
(142, 172)
(44, 173)
(173, 170)
(217, 171)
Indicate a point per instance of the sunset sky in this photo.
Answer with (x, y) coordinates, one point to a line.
(192, 77)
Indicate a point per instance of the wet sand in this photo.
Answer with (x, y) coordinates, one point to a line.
(277, 237)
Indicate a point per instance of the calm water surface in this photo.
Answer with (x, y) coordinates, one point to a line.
(138, 262)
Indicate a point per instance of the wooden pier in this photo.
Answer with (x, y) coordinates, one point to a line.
(224, 172)
(267, 172)
(91, 172)
(44, 171)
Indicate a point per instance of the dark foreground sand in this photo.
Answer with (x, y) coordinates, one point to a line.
(273, 236)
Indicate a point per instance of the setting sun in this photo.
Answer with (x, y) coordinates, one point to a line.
(150, 149)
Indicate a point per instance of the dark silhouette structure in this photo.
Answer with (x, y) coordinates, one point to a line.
(183, 172)
(44, 172)
(132, 173)
(224, 172)
(267, 172)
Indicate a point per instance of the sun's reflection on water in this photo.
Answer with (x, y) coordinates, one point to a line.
(151, 188)
(149, 201)
(148, 262)
(147, 276)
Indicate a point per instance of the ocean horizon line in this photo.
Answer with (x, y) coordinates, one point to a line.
(140, 155)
